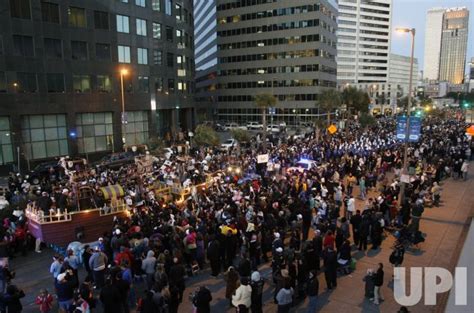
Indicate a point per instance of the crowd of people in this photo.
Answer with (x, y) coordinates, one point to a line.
(303, 222)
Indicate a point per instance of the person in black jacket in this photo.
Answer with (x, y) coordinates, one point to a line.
(11, 299)
(245, 267)
(330, 267)
(202, 300)
(364, 230)
(257, 292)
(213, 255)
(111, 297)
(312, 290)
(176, 277)
(378, 283)
(356, 220)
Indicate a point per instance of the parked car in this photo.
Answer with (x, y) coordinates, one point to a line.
(228, 144)
(116, 160)
(273, 128)
(254, 126)
(303, 165)
(230, 126)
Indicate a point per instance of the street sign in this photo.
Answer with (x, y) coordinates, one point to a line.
(124, 117)
(415, 129)
(272, 111)
(470, 130)
(401, 127)
(332, 129)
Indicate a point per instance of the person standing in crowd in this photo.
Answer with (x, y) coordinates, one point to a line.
(378, 283)
(330, 267)
(98, 263)
(64, 285)
(355, 221)
(231, 277)
(55, 268)
(257, 292)
(213, 255)
(284, 298)
(111, 297)
(242, 298)
(45, 301)
(148, 267)
(177, 276)
(312, 291)
(11, 299)
(202, 300)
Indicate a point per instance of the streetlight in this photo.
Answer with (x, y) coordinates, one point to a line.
(123, 72)
(404, 173)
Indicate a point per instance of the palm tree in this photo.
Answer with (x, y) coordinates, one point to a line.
(329, 100)
(265, 101)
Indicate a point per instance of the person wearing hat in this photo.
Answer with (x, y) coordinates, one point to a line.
(64, 285)
(257, 292)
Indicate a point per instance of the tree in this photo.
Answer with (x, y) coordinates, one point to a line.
(367, 120)
(241, 135)
(318, 125)
(329, 100)
(206, 136)
(356, 99)
(404, 101)
(265, 101)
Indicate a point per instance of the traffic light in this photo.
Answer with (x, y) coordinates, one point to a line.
(466, 104)
(418, 113)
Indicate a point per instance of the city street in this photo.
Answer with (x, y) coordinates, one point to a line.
(445, 228)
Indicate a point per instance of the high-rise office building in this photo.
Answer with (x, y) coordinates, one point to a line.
(433, 31)
(285, 48)
(399, 73)
(60, 65)
(363, 41)
(454, 45)
(446, 44)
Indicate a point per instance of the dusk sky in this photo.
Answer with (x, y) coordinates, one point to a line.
(412, 13)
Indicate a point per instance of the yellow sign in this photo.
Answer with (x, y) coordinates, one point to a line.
(470, 130)
(332, 129)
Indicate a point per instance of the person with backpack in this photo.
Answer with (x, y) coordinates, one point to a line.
(202, 300)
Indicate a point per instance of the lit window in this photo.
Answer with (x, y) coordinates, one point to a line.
(81, 83)
(157, 30)
(124, 54)
(140, 3)
(156, 5)
(77, 17)
(122, 24)
(142, 56)
(141, 27)
(104, 84)
(168, 7)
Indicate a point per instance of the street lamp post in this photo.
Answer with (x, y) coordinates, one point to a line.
(123, 72)
(405, 144)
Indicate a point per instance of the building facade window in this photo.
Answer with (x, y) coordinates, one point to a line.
(123, 54)
(141, 27)
(44, 136)
(156, 5)
(81, 83)
(171, 87)
(26, 82)
(23, 45)
(50, 12)
(101, 20)
(136, 129)
(102, 51)
(143, 84)
(20, 9)
(94, 132)
(170, 59)
(168, 7)
(159, 84)
(157, 57)
(179, 12)
(53, 48)
(79, 50)
(142, 56)
(104, 83)
(169, 33)
(3, 82)
(77, 17)
(55, 82)
(156, 30)
(6, 148)
(123, 25)
(140, 3)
